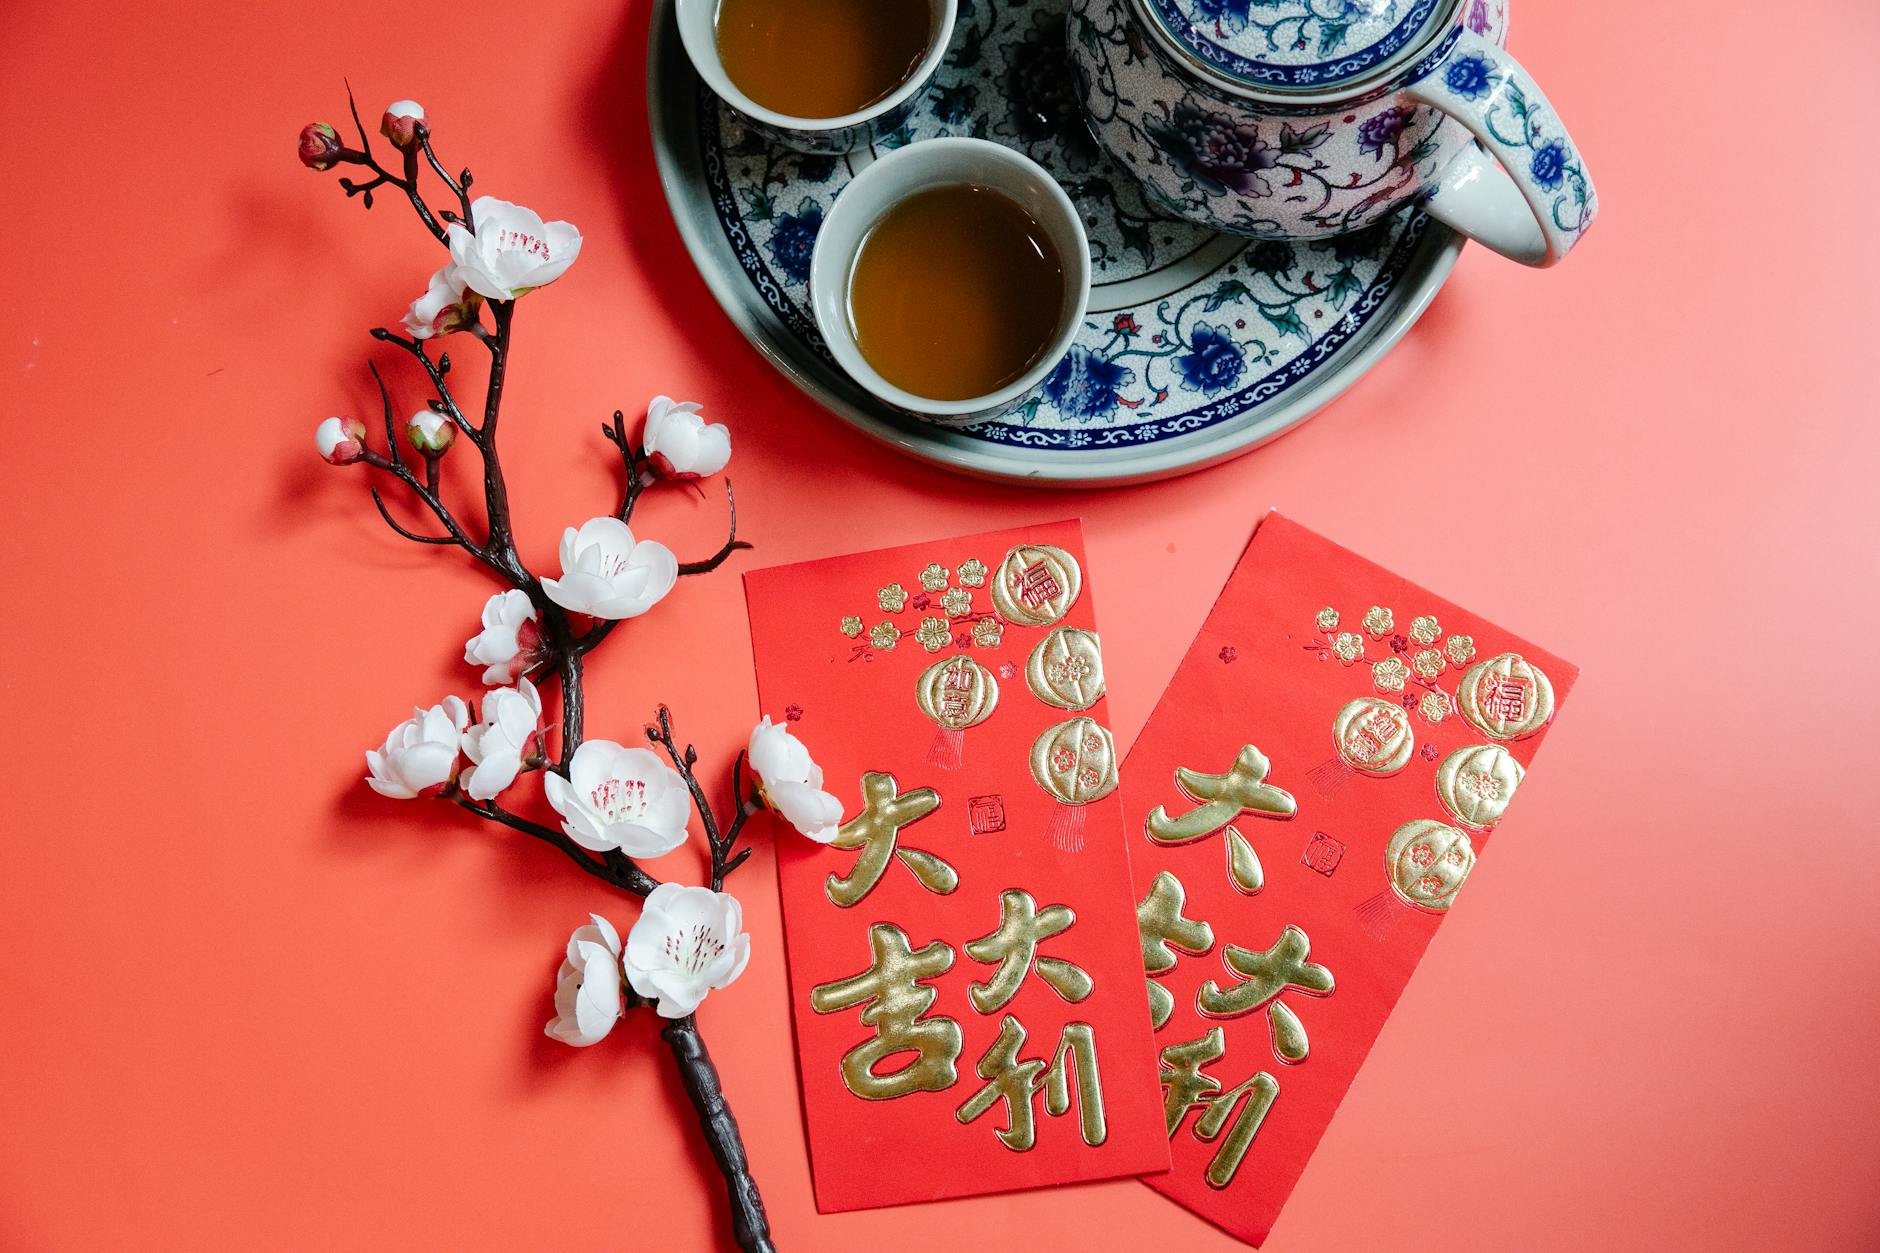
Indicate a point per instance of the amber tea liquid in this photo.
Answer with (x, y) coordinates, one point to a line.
(821, 58)
(955, 293)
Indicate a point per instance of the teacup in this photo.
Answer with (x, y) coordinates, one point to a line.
(829, 135)
(921, 167)
(1300, 119)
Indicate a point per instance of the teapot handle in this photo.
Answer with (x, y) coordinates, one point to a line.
(1528, 196)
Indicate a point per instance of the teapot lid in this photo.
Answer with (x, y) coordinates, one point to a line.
(1300, 45)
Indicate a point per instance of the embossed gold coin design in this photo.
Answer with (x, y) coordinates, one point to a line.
(1066, 669)
(1036, 584)
(1506, 697)
(1374, 735)
(957, 693)
(1075, 762)
(1427, 863)
(1475, 784)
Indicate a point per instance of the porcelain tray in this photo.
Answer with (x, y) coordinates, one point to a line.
(1197, 346)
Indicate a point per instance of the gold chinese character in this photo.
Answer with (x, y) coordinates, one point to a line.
(1164, 930)
(1265, 976)
(1221, 799)
(1016, 1082)
(1185, 1087)
(885, 810)
(893, 984)
(1022, 928)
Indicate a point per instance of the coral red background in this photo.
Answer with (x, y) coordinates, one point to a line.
(247, 1004)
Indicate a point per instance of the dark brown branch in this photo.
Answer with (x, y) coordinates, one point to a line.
(732, 542)
(459, 186)
(719, 841)
(408, 184)
(498, 551)
(413, 536)
(749, 1225)
(636, 475)
(619, 871)
(437, 370)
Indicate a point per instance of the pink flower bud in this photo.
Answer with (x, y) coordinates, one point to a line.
(431, 432)
(341, 441)
(401, 121)
(319, 146)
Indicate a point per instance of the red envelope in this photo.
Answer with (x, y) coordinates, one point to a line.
(1306, 802)
(965, 972)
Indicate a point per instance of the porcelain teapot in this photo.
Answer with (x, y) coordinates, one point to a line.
(1301, 119)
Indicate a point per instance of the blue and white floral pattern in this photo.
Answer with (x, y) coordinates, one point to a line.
(1524, 127)
(793, 240)
(1470, 77)
(1265, 168)
(1195, 329)
(1315, 44)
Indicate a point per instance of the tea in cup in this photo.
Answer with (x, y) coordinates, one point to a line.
(824, 76)
(950, 278)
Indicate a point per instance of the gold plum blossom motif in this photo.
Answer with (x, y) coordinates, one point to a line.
(1428, 663)
(1349, 646)
(1390, 674)
(1425, 629)
(941, 614)
(933, 634)
(1327, 619)
(1434, 706)
(1461, 649)
(1378, 620)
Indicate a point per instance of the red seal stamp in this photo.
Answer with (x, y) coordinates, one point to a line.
(1323, 853)
(985, 815)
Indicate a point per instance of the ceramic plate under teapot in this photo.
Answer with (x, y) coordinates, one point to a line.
(1197, 346)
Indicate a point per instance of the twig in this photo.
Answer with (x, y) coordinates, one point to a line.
(684, 761)
(621, 871)
(732, 542)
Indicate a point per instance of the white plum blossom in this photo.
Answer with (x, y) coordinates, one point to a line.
(400, 123)
(686, 942)
(619, 797)
(508, 738)
(511, 639)
(606, 573)
(430, 431)
(420, 756)
(682, 445)
(791, 782)
(445, 306)
(341, 441)
(587, 987)
(512, 250)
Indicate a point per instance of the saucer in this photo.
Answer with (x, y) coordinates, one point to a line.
(1197, 346)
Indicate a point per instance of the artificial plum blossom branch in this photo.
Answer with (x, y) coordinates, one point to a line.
(616, 803)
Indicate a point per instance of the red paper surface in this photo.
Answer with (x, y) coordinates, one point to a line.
(855, 707)
(1261, 672)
